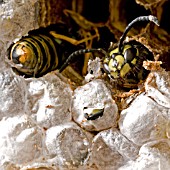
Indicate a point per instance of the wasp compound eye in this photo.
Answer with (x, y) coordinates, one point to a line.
(130, 54)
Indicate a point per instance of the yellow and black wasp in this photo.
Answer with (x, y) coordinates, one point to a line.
(43, 50)
(31, 55)
(124, 63)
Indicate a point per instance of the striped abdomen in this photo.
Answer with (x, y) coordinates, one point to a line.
(35, 55)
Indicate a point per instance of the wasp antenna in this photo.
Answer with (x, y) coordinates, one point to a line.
(80, 52)
(154, 19)
(131, 24)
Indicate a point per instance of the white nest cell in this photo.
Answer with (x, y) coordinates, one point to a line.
(20, 140)
(152, 155)
(49, 100)
(147, 118)
(110, 150)
(143, 121)
(91, 98)
(158, 87)
(12, 91)
(67, 145)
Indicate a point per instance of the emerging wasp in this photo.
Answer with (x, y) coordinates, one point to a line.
(124, 63)
(30, 55)
(43, 50)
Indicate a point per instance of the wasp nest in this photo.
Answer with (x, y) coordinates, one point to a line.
(81, 119)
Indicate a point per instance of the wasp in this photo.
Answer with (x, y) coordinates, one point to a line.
(43, 50)
(124, 64)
